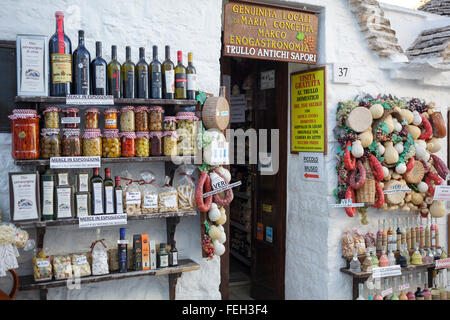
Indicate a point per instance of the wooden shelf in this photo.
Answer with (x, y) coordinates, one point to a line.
(28, 283)
(365, 275)
(117, 101)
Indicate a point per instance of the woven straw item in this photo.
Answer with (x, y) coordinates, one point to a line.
(416, 174)
(216, 113)
(366, 194)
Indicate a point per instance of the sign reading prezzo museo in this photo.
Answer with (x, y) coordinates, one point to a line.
(270, 33)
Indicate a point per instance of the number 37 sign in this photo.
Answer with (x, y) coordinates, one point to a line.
(342, 73)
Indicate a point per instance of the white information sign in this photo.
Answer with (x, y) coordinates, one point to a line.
(268, 79)
(237, 108)
(102, 220)
(443, 263)
(383, 272)
(386, 292)
(89, 99)
(342, 73)
(312, 166)
(442, 193)
(347, 203)
(74, 162)
(219, 190)
(66, 120)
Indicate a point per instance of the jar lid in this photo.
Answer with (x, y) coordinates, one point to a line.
(141, 109)
(157, 108)
(126, 108)
(92, 133)
(92, 110)
(111, 133)
(186, 116)
(70, 110)
(49, 131)
(71, 132)
(170, 119)
(170, 133)
(24, 111)
(142, 134)
(157, 134)
(111, 110)
(128, 135)
(51, 109)
(23, 114)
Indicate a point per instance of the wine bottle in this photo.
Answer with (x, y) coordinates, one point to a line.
(191, 74)
(180, 77)
(60, 56)
(128, 75)
(168, 74)
(97, 193)
(109, 192)
(81, 61)
(118, 194)
(155, 74)
(98, 71)
(141, 71)
(113, 73)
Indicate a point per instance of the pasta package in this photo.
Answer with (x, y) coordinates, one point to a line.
(62, 267)
(149, 192)
(347, 244)
(80, 265)
(168, 198)
(42, 267)
(132, 199)
(99, 258)
(183, 181)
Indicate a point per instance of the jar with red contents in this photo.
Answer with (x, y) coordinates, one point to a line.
(156, 143)
(91, 118)
(127, 143)
(111, 118)
(71, 143)
(51, 116)
(70, 119)
(25, 134)
(141, 119)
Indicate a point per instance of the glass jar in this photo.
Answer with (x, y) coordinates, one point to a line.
(71, 143)
(111, 118)
(142, 144)
(155, 143)
(128, 148)
(25, 134)
(71, 119)
(156, 117)
(51, 116)
(141, 119)
(111, 144)
(92, 143)
(91, 118)
(127, 119)
(50, 143)
(187, 129)
(170, 143)
(170, 123)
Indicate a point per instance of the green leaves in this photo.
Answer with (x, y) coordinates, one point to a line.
(300, 36)
(201, 97)
(204, 167)
(206, 226)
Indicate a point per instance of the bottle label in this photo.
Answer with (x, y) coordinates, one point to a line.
(98, 201)
(83, 182)
(164, 261)
(82, 205)
(119, 204)
(170, 81)
(111, 122)
(100, 77)
(174, 258)
(192, 82)
(61, 67)
(84, 73)
(156, 80)
(63, 196)
(109, 199)
(143, 80)
(150, 201)
(180, 80)
(47, 201)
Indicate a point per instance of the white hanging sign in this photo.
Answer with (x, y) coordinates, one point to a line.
(268, 79)
(443, 263)
(442, 193)
(74, 162)
(383, 272)
(76, 99)
(102, 220)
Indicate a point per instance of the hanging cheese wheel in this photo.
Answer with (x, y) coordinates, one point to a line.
(395, 197)
(359, 119)
(216, 113)
(416, 174)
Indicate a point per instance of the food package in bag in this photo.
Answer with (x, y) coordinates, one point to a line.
(62, 267)
(80, 265)
(184, 182)
(347, 244)
(42, 267)
(99, 258)
(131, 196)
(149, 193)
(168, 197)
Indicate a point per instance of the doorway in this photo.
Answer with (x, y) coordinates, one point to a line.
(258, 97)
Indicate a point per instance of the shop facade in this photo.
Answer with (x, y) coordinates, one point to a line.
(311, 231)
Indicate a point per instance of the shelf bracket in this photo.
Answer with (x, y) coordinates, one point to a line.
(40, 234)
(171, 225)
(173, 279)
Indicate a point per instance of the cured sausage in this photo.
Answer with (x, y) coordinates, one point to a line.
(377, 168)
(380, 195)
(229, 195)
(349, 159)
(350, 194)
(203, 182)
(362, 176)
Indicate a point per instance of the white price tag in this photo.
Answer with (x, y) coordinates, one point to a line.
(42, 263)
(443, 263)
(219, 190)
(150, 201)
(442, 193)
(397, 188)
(342, 73)
(386, 292)
(383, 272)
(122, 241)
(74, 162)
(347, 203)
(70, 120)
(133, 198)
(170, 201)
(89, 100)
(102, 220)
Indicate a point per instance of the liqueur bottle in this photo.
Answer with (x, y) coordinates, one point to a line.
(113, 73)
(97, 193)
(168, 74)
(141, 72)
(60, 56)
(108, 184)
(155, 76)
(173, 255)
(98, 72)
(360, 289)
(355, 265)
(191, 74)
(180, 77)
(128, 76)
(419, 293)
(81, 62)
(122, 247)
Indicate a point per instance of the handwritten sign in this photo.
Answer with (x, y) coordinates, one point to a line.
(443, 263)
(308, 111)
(403, 287)
(102, 220)
(76, 99)
(383, 272)
(74, 162)
(442, 193)
(312, 166)
(347, 203)
(397, 188)
(386, 292)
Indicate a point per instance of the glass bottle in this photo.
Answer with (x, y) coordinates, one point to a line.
(118, 196)
(422, 236)
(114, 76)
(391, 258)
(427, 235)
(416, 257)
(180, 77)
(433, 234)
(442, 289)
(122, 247)
(191, 74)
(435, 293)
(379, 238)
(378, 290)
(389, 238)
(168, 74)
(384, 236)
(355, 265)
(173, 255)
(417, 234)
(60, 56)
(374, 257)
(81, 61)
(410, 294)
(394, 236)
(98, 71)
(419, 293)
(426, 292)
(383, 261)
(399, 236)
(386, 287)
(413, 237)
(408, 235)
(97, 192)
(401, 259)
(403, 295)
(360, 291)
(128, 77)
(108, 184)
(367, 265)
(163, 256)
(155, 75)
(395, 290)
(141, 72)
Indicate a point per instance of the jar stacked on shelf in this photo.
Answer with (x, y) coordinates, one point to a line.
(128, 143)
(110, 118)
(92, 143)
(111, 144)
(91, 118)
(25, 134)
(187, 129)
(71, 119)
(127, 119)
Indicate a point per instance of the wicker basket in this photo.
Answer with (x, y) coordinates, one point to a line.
(216, 113)
(366, 194)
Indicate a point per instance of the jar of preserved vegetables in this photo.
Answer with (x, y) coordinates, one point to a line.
(71, 143)
(25, 134)
(91, 118)
(128, 141)
(155, 143)
(92, 143)
(142, 144)
(141, 118)
(111, 118)
(127, 119)
(170, 143)
(187, 129)
(51, 116)
(156, 117)
(50, 143)
(111, 143)
(170, 123)
(71, 119)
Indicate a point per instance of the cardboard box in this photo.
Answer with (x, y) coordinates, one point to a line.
(152, 254)
(145, 252)
(137, 252)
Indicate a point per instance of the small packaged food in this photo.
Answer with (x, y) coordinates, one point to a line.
(170, 143)
(62, 267)
(184, 182)
(347, 244)
(42, 267)
(50, 143)
(51, 116)
(142, 144)
(170, 123)
(127, 119)
(111, 118)
(156, 143)
(25, 134)
(128, 143)
(111, 144)
(99, 258)
(80, 265)
(132, 198)
(141, 118)
(92, 143)
(168, 198)
(91, 118)
(71, 143)
(149, 192)
(156, 118)
(359, 242)
(70, 119)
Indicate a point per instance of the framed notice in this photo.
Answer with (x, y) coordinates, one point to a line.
(32, 65)
(308, 111)
(24, 196)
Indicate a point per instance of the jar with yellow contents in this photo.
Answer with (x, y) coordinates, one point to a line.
(92, 143)
(50, 143)
(51, 116)
(111, 144)
(142, 144)
(156, 118)
(187, 129)
(111, 118)
(170, 143)
(127, 119)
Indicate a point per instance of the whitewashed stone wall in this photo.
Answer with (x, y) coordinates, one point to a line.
(184, 25)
